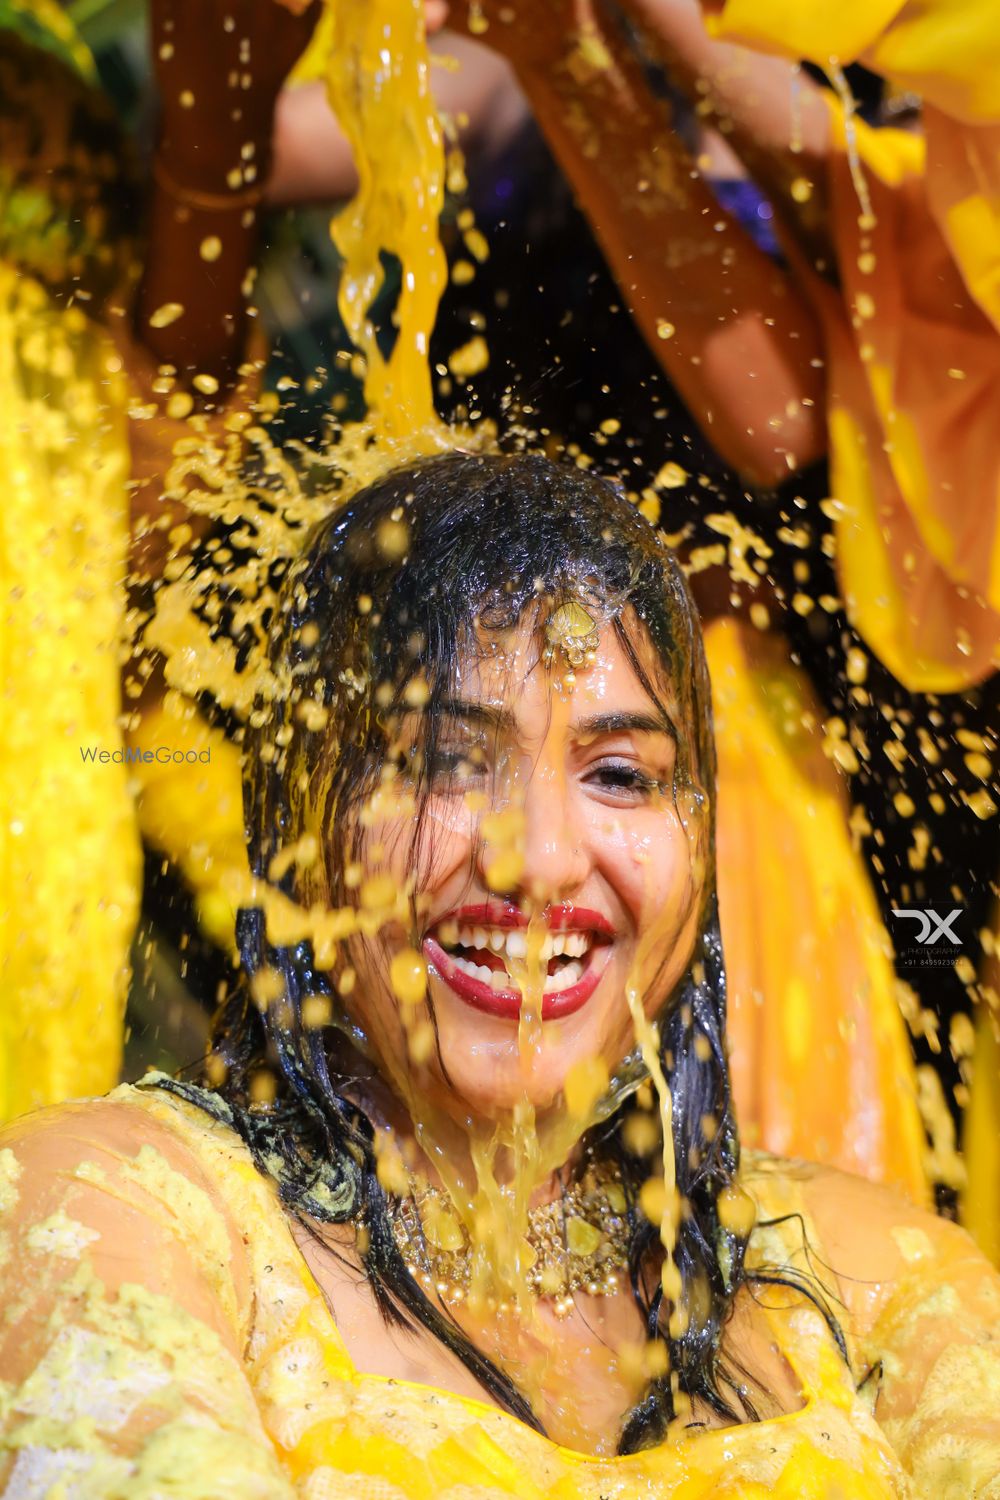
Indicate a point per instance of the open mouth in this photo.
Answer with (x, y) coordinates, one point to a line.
(474, 950)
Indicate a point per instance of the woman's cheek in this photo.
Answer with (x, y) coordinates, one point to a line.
(655, 870)
(446, 847)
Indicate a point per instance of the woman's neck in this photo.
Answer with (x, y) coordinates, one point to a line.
(446, 1153)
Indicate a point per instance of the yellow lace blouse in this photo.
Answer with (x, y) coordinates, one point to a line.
(219, 1371)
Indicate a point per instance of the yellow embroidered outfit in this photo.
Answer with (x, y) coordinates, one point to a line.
(223, 1373)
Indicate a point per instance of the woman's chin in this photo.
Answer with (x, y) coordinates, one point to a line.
(489, 1088)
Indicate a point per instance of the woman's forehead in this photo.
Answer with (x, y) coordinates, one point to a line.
(520, 668)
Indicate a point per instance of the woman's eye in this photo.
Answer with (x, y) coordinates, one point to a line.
(624, 780)
(453, 769)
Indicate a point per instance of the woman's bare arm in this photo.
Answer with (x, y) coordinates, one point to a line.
(472, 86)
(773, 114)
(220, 66)
(730, 327)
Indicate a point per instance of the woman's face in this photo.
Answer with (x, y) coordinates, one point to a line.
(549, 806)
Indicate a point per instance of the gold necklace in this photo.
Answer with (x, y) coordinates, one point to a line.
(580, 1241)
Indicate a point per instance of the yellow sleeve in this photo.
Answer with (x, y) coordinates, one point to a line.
(938, 1341)
(127, 1305)
(921, 1307)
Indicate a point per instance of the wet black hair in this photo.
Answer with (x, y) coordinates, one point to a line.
(392, 587)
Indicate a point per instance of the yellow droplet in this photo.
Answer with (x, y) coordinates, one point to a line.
(207, 384)
(263, 1087)
(801, 190)
(422, 1042)
(390, 1169)
(857, 665)
(967, 974)
(904, 805)
(504, 872)
(664, 329)
(408, 976)
(653, 1199)
(392, 539)
(186, 99)
(316, 1011)
(378, 892)
(585, 1083)
(470, 359)
(417, 692)
(671, 477)
(265, 987)
(650, 507)
(476, 244)
(167, 314)
(737, 1211)
(979, 765)
(640, 1134)
(210, 248)
(180, 405)
(982, 804)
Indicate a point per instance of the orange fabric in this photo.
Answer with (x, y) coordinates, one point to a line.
(914, 366)
(912, 327)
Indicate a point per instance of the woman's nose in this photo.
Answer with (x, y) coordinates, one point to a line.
(555, 863)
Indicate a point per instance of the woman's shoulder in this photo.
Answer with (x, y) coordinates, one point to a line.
(115, 1186)
(870, 1238)
(139, 1128)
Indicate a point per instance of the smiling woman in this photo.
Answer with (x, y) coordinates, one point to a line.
(457, 1209)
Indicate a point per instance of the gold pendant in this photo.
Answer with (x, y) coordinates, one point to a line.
(571, 630)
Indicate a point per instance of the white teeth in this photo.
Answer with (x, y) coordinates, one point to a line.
(474, 971)
(499, 979)
(517, 944)
(515, 941)
(569, 974)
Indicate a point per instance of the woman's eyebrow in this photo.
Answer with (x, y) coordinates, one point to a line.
(625, 723)
(479, 713)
